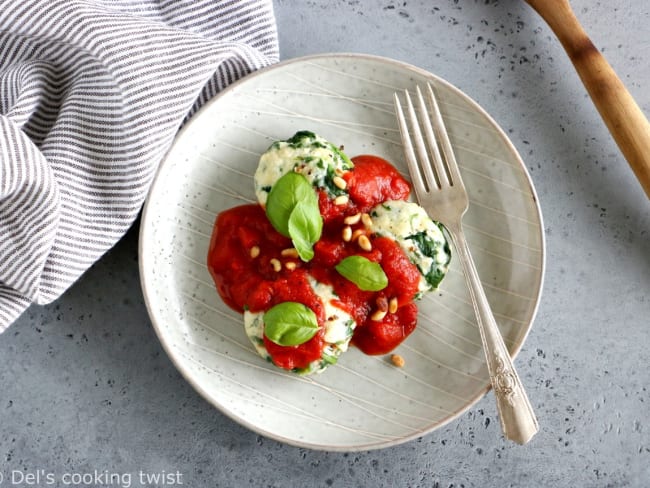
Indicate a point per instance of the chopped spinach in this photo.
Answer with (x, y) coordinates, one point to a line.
(327, 182)
(435, 276)
(428, 247)
(298, 139)
(425, 243)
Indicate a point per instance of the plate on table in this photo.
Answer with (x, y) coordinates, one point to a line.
(362, 402)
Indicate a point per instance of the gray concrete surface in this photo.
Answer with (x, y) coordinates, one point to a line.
(85, 386)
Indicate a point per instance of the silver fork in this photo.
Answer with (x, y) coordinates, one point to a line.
(440, 191)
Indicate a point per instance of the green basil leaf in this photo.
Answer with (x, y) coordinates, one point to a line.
(292, 209)
(290, 189)
(366, 274)
(305, 228)
(290, 324)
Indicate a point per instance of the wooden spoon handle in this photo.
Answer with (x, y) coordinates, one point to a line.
(623, 117)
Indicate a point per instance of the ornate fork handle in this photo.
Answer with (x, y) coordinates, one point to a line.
(516, 414)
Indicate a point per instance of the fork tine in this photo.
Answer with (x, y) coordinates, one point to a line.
(438, 163)
(425, 166)
(441, 131)
(409, 152)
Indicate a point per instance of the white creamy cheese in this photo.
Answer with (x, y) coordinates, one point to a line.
(421, 238)
(254, 327)
(339, 326)
(307, 153)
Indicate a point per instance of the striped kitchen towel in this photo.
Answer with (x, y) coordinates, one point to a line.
(92, 93)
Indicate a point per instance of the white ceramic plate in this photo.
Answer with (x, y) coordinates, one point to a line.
(363, 402)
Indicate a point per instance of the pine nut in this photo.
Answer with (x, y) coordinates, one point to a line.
(364, 243)
(341, 200)
(378, 315)
(340, 182)
(290, 252)
(255, 251)
(357, 233)
(392, 305)
(277, 265)
(397, 360)
(347, 233)
(366, 219)
(382, 303)
(352, 219)
(290, 265)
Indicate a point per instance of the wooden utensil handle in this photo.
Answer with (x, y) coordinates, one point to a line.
(623, 117)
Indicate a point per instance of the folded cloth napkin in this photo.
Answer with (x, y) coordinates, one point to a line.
(92, 93)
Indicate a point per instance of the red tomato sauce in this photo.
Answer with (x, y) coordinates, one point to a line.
(250, 270)
(375, 180)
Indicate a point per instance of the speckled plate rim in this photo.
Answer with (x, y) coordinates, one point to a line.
(179, 363)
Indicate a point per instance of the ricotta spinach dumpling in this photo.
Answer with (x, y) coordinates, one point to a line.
(331, 341)
(320, 161)
(420, 237)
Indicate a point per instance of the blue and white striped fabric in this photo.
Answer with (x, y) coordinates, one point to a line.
(92, 93)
